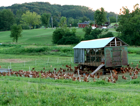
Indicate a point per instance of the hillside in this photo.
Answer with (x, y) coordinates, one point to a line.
(55, 9)
(34, 36)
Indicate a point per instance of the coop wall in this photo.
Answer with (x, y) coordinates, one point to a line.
(93, 57)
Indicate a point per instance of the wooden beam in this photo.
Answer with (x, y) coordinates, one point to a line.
(120, 43)
(115, 42)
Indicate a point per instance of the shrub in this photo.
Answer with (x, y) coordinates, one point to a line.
(69, 40)
(93, 34)
(109, 34)
(65, 36)
(57, 35)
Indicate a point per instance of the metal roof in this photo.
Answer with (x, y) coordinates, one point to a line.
(96, 43)
(86, 22)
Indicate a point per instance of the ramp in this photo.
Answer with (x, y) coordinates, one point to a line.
(98, 68)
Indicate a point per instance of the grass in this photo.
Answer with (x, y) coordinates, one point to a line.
(37, 36)
(34, 36)
(26, 91)
(29, 91)
(18, 62)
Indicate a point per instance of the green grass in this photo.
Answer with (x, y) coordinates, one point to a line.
(30, 91)
(18, 62)
(34, 36)
(38, 36)
(114, 23)
(17, 91)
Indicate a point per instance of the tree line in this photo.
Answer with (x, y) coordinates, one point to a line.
(74, 14)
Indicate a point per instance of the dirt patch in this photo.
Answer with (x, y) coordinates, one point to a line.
(12, 60)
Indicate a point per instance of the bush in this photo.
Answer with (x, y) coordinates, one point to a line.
(57, 35)
(106, 29)
(65, 36)
(109, 34)
(69, 40)
(88, 37)
(93, 34)
(25, 26)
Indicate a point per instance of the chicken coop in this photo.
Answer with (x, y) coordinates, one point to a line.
(112, 52)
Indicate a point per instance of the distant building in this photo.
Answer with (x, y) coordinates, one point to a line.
(84, 24)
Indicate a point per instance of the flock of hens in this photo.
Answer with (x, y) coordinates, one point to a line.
(77, 74)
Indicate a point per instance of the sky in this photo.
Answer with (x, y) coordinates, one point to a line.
(108, 5)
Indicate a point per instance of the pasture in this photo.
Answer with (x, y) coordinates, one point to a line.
(35, 50)
(38, 36)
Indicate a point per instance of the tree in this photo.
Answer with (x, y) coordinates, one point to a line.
(31, 18)
(63, 22)
(129, 25)
(45, 18)
(112, 19)
(16, 32)
(6, 19)
(85, 19)
(70, 21)
(100, 16)
(87, 30)
(18, 17)
(109, 34)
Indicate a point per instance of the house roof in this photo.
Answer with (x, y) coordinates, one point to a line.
(86, 22)
(95, 43)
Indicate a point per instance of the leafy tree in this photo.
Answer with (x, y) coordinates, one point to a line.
(129, 25)
(70, 21)
(100, 16)
(85, 19)
(91, 33)
(6, 19)
(45, 18)
(16, 32)
(87, 30)
(18, 17)
(31, 18)
(112, 19)
(63, 22)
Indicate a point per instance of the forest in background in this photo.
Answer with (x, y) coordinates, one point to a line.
(78, 13)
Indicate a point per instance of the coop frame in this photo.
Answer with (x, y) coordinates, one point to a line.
(92, 52)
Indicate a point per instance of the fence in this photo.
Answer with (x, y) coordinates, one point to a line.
(38, 62)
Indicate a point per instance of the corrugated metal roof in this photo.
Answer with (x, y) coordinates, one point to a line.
(96, 43)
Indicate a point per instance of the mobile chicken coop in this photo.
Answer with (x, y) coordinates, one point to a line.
(102, 53)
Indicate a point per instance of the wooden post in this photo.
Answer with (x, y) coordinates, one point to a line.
(78, 72)
(24, 63)
(111, 75)
(90, 56)
(115, 42)
(10, 65)
(120, 43)
(95, 57)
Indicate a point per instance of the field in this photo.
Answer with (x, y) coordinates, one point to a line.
(35, 36)
(38, 36)
(35, 50)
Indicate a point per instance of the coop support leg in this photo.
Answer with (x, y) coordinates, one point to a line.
(104, 71)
